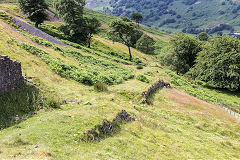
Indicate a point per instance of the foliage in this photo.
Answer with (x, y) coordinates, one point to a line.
(53, 31)
(190, 88)
(51, 102)
(126, 19)
(100, 87)
(184, 49)
(126, 32)
(137, 17)
(218, 63)
(34, 9)
(146, 44)
(174, 16)
(93, 74)
(203, 36)
(92, 27)
(71, 11)
(143, 78)
(202, 91)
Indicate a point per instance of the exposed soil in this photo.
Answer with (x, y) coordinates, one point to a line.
(205, 107)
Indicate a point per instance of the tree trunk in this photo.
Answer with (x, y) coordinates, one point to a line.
(36, 24)
(130, 54)
(89, 43)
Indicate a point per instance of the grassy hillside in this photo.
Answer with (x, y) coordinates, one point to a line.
(177, 15)
(175, 126)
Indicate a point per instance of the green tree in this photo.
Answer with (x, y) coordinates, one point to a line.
(137, 17)
(35, 9)
(126, 19)
(92, 27)
(146, 44)
(126, 32)
(203, 36)
(182, 54)
(218, 63)
(71, 11)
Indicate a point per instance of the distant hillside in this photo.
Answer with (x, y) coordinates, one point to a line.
(191, 16)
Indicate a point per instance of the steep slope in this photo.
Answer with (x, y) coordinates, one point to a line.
(175, 126)
(177, 15)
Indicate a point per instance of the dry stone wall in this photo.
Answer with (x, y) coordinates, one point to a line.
(10, 74)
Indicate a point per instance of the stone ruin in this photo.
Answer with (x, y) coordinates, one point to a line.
(10, 74)
(154, 88)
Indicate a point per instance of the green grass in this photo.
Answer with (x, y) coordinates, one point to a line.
(171, 128)
(19, 103)
(206, 93)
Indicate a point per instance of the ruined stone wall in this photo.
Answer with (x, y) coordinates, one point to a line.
(10, 74)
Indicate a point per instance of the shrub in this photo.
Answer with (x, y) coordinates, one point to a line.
(51, 102)
(100, 87)
(143, 78)
(139, 67)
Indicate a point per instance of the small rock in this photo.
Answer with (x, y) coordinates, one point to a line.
(79, 101)
(87, 103)
(64, 101)
(29, 80)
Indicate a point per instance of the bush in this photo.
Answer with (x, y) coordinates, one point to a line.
(51, 102)
(139, 67)
(143, 78)
(100, 87)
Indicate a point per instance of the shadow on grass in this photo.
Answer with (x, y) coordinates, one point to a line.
(19, 104)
